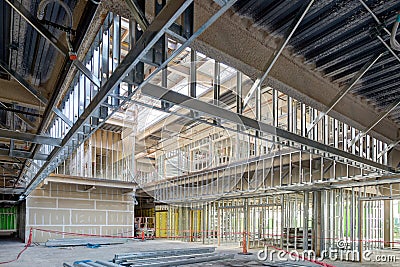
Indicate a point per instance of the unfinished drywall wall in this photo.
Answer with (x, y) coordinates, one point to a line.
(78, 209)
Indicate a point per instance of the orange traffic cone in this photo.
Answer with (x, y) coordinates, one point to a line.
(244, 246)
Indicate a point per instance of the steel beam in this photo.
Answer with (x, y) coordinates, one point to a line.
(35, 23)
(22, 154)
(33, 91)
(22, 118)
(2, 161)
(346, 89)
(197, 33)
(11, 191)
(28, 137)
(137, 13)
(18, 111)
(158, 27)
(168, 15)
(274, 57)
(160, 93)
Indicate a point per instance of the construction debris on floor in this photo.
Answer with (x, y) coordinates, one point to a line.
(173, 257)
(70, 242)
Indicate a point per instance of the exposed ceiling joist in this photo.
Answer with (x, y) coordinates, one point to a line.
(22, 154)
(193, 104)
(42, 30)
(11, 191)
(28, 137)
(168, 15)
(13, 92)
(37, 94)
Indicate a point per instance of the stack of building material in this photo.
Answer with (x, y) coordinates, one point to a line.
(173, 257)
(119, 258)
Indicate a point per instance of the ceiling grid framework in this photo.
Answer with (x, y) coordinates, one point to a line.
(343, 45)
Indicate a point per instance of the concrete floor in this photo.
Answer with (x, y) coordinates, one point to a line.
(40, 256)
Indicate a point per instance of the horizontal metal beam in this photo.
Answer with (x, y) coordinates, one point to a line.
(18, 111)
(22, 118)
(22, 154)
(2, 161)
(138, 14)
(37, 94)
(368, 182)
(161, 93)
(379, 198)
(28, 137)
(35, 23)
(66, 179)
(168, 15)
(11, 191)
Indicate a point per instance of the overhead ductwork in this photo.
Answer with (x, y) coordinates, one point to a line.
(41, 13)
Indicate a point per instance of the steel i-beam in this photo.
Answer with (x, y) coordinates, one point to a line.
(35, 23)
(159, 26)
(27, 137)
(168, 15)
(137, 14)
(33, 91)
(158, 92)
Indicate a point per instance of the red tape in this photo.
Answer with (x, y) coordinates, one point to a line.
(211, 233)
(207, 232)
(79, 234)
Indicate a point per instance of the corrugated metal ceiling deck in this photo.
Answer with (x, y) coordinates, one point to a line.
(338, 38)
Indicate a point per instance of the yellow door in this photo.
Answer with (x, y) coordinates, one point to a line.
(161, 223)
(195, 225)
